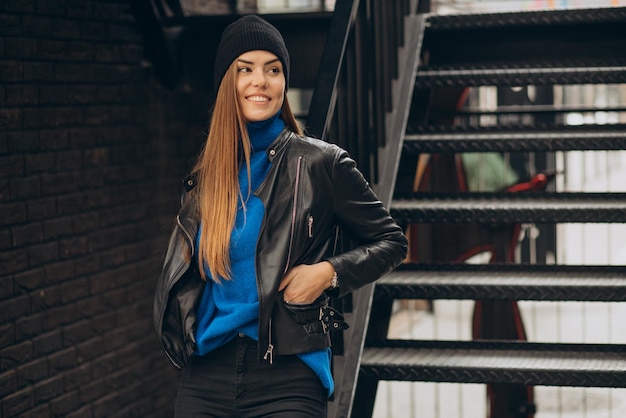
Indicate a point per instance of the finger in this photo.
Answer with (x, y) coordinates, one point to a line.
(285, 281)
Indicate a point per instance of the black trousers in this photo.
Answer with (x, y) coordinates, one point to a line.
(231, 382)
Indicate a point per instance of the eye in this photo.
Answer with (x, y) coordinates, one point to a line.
(274, 70)
(243, 69)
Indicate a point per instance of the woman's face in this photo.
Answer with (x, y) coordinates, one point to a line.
(260, 85)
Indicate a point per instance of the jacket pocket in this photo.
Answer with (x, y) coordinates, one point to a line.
(308, 315)
(179, 319)
(301, 328)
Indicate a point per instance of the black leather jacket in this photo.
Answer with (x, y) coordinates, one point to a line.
(311, 187)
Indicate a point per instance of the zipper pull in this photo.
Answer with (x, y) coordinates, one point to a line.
(269, 353)
(270, 347)
(310, 222)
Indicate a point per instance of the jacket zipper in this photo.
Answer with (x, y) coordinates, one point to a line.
(187, 234)
(191, 247)
(310, 225)
(174, 362)
(294, 213)
(269, 353)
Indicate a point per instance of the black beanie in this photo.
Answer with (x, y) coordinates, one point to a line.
(249, 33)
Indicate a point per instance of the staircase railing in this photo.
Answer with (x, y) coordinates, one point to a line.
(361, 102)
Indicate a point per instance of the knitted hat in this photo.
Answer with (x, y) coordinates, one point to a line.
(249, 33)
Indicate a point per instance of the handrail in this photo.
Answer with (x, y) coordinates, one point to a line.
(325, 92)
(397, 126)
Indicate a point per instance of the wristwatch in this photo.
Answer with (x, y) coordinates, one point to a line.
(334, 281)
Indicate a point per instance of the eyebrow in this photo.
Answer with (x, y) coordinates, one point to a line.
(252, 63)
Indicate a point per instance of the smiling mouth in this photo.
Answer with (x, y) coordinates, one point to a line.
(258, 99)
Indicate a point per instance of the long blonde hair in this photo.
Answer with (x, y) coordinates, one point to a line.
(226, 148)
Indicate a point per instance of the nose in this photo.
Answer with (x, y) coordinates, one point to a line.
(259, 78)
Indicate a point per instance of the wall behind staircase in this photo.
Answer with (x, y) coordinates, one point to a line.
(91, 153)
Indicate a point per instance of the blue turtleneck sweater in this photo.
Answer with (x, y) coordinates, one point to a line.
(232, 306)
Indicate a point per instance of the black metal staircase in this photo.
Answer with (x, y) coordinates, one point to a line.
(505, 49)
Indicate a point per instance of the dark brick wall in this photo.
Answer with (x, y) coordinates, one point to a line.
(91, 153)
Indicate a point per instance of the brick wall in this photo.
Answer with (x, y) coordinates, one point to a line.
(91, 153)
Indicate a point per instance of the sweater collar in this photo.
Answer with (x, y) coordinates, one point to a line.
(264, 132)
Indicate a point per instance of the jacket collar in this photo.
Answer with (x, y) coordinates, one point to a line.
(272, 151)
(279, 144)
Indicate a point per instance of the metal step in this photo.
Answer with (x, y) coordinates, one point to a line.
(524, 48)
(581, 365)
(546, 74)
(515, 140)
(525, 19)
(535, 109)
(509, 208)
(539, 48)
(504, 282)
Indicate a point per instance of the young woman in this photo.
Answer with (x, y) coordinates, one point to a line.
(241, 305)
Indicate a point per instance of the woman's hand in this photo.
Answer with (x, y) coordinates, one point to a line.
(305, 283)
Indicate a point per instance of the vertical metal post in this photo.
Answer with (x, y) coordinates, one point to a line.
(324, 95)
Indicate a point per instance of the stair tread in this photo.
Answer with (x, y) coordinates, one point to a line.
(593, 200)
(523, 67)
(519, 75)
(526, 18)
(511, 135)
(504, 282)
(516, 139)
(509, 208)
(497, 362)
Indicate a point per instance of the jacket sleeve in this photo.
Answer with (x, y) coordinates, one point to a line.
(379, 243)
